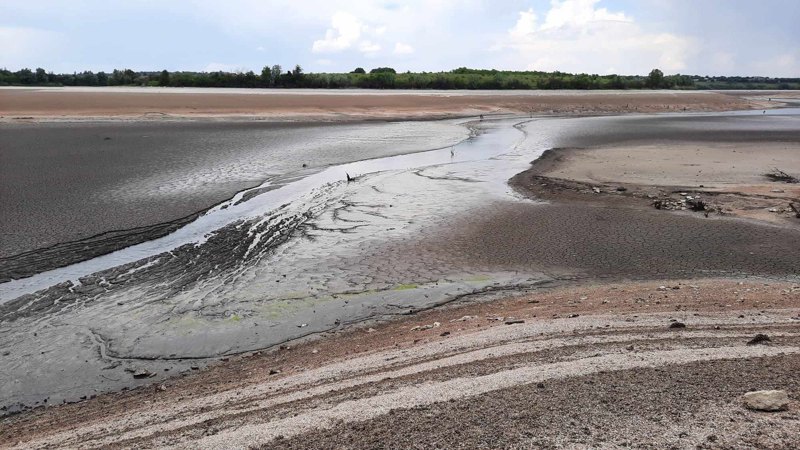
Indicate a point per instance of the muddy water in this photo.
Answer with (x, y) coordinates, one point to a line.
(286, 260)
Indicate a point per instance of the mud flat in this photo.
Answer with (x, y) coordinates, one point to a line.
(73, 191)
(433, 240)
(21, 104)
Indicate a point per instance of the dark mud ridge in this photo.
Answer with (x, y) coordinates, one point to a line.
(23, 265)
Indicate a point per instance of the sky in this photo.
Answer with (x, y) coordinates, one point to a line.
(699, 37)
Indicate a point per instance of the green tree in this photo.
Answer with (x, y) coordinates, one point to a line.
(266, 76)
(359, 70)
(275, 75)
(656, 79)
(383, 70)
(41, 76)
(163, 78)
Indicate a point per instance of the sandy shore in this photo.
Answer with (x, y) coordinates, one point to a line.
(731, 178)
(160, 104)
(587, 365)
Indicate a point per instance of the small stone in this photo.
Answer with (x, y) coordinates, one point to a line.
(446, 333)
(759, 339)
(302, 325)
(141, 373)
(662, 288)
(572, 316)
(766, 400)
(463, 319)
(514, 321)
(426, 327)
(274, 371)
(596, 190)
(677, 325)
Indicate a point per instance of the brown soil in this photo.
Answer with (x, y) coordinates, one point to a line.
(65, 103)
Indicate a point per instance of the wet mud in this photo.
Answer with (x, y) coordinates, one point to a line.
(319, 253)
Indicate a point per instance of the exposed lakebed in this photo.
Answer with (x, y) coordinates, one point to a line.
(308, 252)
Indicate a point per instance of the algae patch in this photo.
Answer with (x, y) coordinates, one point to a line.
(404, 287)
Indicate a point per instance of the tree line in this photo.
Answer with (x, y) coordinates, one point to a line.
(388, 78)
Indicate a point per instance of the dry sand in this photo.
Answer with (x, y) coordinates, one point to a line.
(159, 104)
(728, 176)
(584, 365)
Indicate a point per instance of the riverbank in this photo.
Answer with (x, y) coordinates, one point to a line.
(744, 179)
(588, 364)
(90, 104)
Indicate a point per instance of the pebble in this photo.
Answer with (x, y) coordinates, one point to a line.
(464, 319)
(677, 325)
(759, 339)
(426, 327)
(766, 400)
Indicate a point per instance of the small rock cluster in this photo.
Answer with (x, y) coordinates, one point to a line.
(685, 202)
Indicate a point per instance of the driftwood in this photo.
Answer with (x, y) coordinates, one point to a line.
(796, 208)
(779, 175)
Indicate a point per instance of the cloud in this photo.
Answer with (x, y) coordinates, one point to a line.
(577, 36)
(403, 49)
(344, 32)
(29, 47)
(348, 32)
(368, 47)
(781, 65)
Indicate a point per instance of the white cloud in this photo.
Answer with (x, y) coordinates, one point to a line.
(526, 24)
(368, 47)
(29, 47)
(578, 13)
(576, 36)
(782, 65)
(403, 49)
(345, 31)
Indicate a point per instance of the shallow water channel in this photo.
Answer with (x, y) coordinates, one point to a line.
(282, 261)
